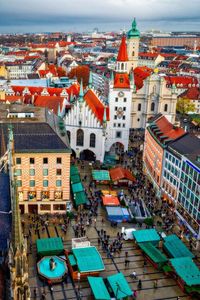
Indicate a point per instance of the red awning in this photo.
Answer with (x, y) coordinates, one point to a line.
(110, 200)
(121, 173)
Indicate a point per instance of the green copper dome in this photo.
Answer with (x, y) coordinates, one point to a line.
(133, 32)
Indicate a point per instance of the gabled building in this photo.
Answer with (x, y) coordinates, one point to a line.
(158, 134)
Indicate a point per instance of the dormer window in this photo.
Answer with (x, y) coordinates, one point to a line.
(121, 80)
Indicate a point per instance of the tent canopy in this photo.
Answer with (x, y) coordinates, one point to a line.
(110, 200)
(187, 270)
(77, 187)
(99, 288)
(80, 198)
(121, 173)
(100, 175)
(88, 259)
(154, 253)
(74, 170)
(75, 178)
(146, 235)
(72, 260)
(175, 247)
(109, 192)
(49, 246)
(119, 286)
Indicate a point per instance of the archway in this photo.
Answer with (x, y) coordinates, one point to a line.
(87, 155)
(73, 153)
(117, 148)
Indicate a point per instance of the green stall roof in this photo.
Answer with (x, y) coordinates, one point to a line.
(119, 286)
(49, 246)
(175, 247)
(146, 235)
(75, 178)
(80, 198)
(187, 270)
(74, 170)
(77, 187)
(88, 259)
(99, 288)
(72, 260)
(154, 253)
(101, 175)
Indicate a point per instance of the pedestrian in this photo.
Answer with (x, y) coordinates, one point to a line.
(126, 254)
(155, 284)
(139, 284)
(35, 293)
(144, 266)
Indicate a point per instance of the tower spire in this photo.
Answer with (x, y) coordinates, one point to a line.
(122, 54)
(3, 144)
(17, 237)
(81, 94)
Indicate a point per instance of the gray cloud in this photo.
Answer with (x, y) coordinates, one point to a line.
(55, 15)
(114, 9)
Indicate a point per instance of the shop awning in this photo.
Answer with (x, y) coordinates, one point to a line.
(175, 247)
(119, 286)
(74, 170)
(75, 178)
(88, 259)
(109, 200)
(80, 198)
(77, 187)
(146, 235)
(101, 175)
(72, 260)
(187, 270)
(121, 173)
(99, 288)
(49, 246)
(154, 253)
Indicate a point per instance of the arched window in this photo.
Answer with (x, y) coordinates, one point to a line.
(133, 53)
(92, 140)
(122, 66)
(165, 107)
(79, 137)
(69, 135)
(152, 106)
(139, 107)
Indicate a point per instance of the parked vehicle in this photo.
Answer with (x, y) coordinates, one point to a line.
(128, 233)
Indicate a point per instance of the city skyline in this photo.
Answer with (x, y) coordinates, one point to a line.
(64, 16)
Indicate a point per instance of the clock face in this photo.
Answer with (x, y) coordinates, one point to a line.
(121, 94)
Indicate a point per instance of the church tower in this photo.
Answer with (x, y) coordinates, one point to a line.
(120, 102)
(18, 247)
(133, 37)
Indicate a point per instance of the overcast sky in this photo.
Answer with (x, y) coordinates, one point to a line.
(22, 12)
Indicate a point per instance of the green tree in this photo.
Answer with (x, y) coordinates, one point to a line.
(184, 105)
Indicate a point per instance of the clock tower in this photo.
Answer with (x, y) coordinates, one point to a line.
(120, 102)
(133, 37)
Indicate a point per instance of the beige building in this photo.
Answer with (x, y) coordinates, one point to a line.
(42, 159)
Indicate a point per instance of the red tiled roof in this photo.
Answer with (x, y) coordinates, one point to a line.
(121, 81)
(140, 74)
(51, 102)
(148, 54)
(192, 93)
(122, 54)
(121, 173)
(14, 98)
(74, 89)
(168, 129)
(96, 105)
(181, 81)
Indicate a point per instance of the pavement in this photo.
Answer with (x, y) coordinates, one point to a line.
(167, 287)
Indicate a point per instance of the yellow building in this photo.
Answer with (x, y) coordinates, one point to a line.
(42, 159)
(3, 71)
